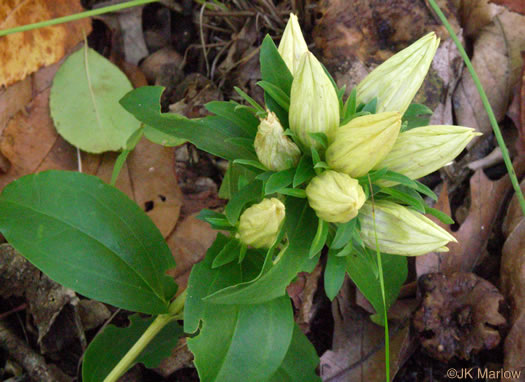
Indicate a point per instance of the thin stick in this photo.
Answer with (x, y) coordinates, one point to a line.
(76, 16)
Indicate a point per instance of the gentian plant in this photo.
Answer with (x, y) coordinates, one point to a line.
(312, 173)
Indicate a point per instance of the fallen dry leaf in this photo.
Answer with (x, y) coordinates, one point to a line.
(513, 5)
(487, 198)
(24, 53)
(475, 14)
(189, 244)
(358, 344)
(516, 110)
(459, 315)
(514, 214)
(497, 62)
(512, 273)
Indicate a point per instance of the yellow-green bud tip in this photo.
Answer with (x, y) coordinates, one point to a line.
(275, 150)
(314, 106)
(401, 230)
(335, 197)
(396, 81)
(259, 224)
(292, 45)
(363, 142)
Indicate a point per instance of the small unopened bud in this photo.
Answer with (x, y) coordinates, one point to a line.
(335, 197)
(292, 45)
(423, 150)
(274, 149)
(314, 106)
(396, 81)
(259, 224)
(364, 141)
(400, 230)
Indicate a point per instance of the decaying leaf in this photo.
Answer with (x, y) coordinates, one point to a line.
(358, 344)
(475, 14)
(513, 5)
(497, 62)
(459, 315)
(24, 53)
(516, 110)
(487, 198)
(512, 273)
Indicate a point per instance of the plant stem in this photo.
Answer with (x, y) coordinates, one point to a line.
(76, 16)
(486, 104)
(156, 326)
(383, 294)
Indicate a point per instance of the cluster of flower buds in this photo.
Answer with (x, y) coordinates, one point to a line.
(367, 142)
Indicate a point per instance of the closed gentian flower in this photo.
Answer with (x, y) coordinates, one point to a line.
(423, 150)
(292, 45)
(259, 224)
(274, 149)
(363, 142)
(400, 230)
(396, 81)
(335, 197)
(314, 106)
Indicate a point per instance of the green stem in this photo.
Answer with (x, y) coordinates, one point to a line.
(76, 16)
(486, 104)
(156, 326)
(383, 294)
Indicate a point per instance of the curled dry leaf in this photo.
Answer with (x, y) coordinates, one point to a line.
(512, 274)
(358, 344)
(459, 315)
(24, 53)
(497, 62)
(475, 14)
(487, 197)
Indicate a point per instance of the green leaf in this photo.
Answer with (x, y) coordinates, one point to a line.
(406, 195)
(161, 138)
(295, 192)
(275, 71)
(250, 193)
(279, 96)
(279, 180)
(235, 175)
(321, 138)
(272, 281)
(250, 100)
(334, 274)
(370, 107)
(243, 119)
(84, 103)
(235, 342)
(230, 252)
(319, 238)
(350, 107)
(121, 159)
(305, 171)
(209, 134)
(107, 349)
(443, 217)
(344, 233)
(217, 220)
(416, 115)
(300, 361)
(252, 163)
(90, 237)
(363, 271)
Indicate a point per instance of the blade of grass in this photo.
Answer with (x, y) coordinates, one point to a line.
(486, 104)
(76, 16)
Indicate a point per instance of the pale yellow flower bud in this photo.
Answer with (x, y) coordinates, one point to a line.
(274, 149)
(400, 230)
(292, 45)
(363, 142)
(314, 106)
(423, 150)
(259, 224)
(335, 197)
(396, 81)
